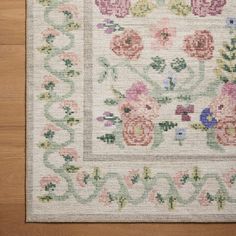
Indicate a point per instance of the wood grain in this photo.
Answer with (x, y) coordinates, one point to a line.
(12, 150)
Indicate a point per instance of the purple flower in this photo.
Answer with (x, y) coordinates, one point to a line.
(207, 118)
(108, 21)
(108, 123)
(109, 30)
(100, 26)
(100, 118)
(107, 113)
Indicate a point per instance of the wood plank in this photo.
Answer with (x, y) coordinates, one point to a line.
(12, 22)
(12, 64)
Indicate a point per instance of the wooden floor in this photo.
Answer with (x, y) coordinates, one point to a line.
(12, 150)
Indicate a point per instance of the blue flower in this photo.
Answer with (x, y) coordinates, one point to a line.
(180, 134)
(231, 22)
(170, 82)
(207, 118)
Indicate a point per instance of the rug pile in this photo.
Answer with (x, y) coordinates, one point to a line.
(131, 111)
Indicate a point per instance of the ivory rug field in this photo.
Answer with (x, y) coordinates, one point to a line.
(131, 109)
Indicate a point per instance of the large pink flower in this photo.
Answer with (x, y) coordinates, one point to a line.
(119, 8)
(136, 90)
(199, 45)
(226, 131)
(147, 107)
(229, 89)
(223, 106)
(138, 131)
(127, 109)
(163, 35)
(207, 7)
(128, 44)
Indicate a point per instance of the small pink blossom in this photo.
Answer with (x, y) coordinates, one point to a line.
(71, 8)
(71, 56)
(228, 177)
(131, 178)
(105, 197)
(49, 179)
(136, 90)
(82, 178)
(50, 127)
(179, 178)
(152, 196)
(69, 152)
(163, 35)
(229, 89)
(50, 32)
(70, 104)
(49, 79)
(203, 199)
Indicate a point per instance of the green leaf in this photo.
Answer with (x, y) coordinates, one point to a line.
(167, 125)
(107, 138)
(158, 64)
(111, 102)
(226, 57)
(212, 142)
(158, 137)
(164, 100)
(226, 68)
(103, 62)
(103, 76)
(178, 64)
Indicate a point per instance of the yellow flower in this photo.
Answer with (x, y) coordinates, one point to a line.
(142, 8)
(179, 7)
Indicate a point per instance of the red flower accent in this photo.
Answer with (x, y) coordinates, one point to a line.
(138, 131)
(184, 112)
(128, 44)
(199, 45)
(226, 131)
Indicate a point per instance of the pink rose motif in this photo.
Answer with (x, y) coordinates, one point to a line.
(127, 44)
(230, 177)
(105, 197)
(50, 32)
(147, 107)
(199, 45)
(71, 152)
(205, 198)
(181, 178)
(184, 112)
(163, 35)
(127, 109)
(46, 180)
(229, 89)
(203, 8)
(82, 178)
(138, 131)
(132, 178)
(69, 9)
(223, 106)
(226, 131)
(136, 90)
(119, 8)
(70, 56)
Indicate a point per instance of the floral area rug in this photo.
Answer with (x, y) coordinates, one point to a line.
(131, 110)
